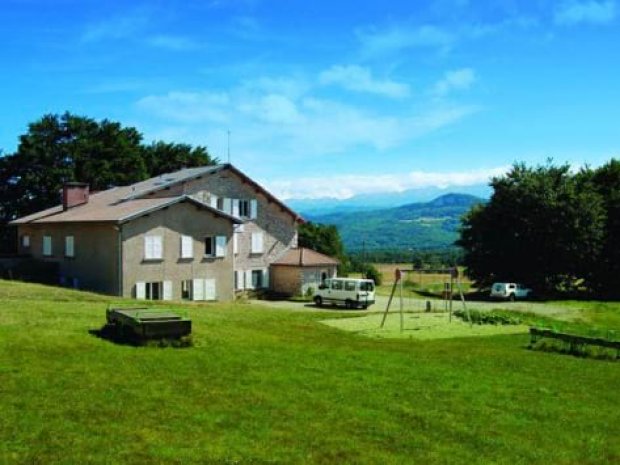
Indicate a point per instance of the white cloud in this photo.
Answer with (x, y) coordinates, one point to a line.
(589, 11)
(377, 42)
(460, 79)
(347, 186)
(188, 107)
(360, 79)
(271, 124)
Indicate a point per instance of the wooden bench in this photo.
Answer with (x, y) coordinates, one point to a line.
(573, 340)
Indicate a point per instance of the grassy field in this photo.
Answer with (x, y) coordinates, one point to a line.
(275, 386)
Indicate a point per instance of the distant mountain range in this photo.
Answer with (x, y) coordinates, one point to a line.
(365, 202)
(418, 225)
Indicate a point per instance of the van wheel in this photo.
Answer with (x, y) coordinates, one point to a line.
(318, 301)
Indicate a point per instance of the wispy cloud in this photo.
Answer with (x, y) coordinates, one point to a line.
(116, 27)
(360, 79)
(188, 107)
(394, 39)
(460, 79)
(304, 125)
(347, 186)
(170, 42)
(589, 11)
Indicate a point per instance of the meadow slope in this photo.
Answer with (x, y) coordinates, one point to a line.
(272, 386)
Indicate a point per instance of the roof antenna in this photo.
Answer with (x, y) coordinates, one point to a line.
(229, 146)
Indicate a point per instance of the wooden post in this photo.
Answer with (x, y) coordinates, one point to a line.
(402, 323)
(450, 303)
(397, 277)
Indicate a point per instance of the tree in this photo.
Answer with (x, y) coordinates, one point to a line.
(59, 149)
(605, 273)
(541, 226)
(324, 239)
(161, 157)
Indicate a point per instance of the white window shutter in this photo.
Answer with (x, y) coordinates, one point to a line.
(266, 277)
(235, 207)
(253, 209)
(198, 289)
(47, 245)
(257, 242)
(158, 247)
(220, 246)
(213, 202)
(140, 290)
(167, 293)
(69, 246)
(148, 248)
(187, 247)
(228, 205)
(240, 279)
(235, 243)
(210, 293)
(248, 280)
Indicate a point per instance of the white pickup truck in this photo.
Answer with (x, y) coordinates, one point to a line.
(509, 291)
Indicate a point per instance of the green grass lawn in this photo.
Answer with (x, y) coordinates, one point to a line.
(273, 386)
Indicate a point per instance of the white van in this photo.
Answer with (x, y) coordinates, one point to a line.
(352, 293)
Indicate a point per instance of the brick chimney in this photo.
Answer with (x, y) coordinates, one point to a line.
(74, 194)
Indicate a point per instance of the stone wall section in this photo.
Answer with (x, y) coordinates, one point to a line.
(277, 225)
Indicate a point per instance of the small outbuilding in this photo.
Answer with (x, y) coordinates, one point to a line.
(300, 269)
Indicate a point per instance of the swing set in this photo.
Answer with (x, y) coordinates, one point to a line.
(448, 292)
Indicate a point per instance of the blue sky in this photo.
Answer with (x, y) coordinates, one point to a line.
(329, 98)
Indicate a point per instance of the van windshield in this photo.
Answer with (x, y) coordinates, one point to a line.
(367, 286)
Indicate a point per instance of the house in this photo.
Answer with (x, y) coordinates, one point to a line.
(301, 269)
(198, 234)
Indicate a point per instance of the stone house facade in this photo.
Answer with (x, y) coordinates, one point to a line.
(198, 234)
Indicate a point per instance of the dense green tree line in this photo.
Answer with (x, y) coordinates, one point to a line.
(63, 148)
(550, 228)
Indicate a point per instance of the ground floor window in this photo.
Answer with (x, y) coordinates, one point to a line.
(257, 279)
(160, 290)
(186, 289)
(153, 291)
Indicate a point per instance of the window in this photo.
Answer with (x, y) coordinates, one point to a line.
(219, 201)
(367, 286)
(215, 246)
(257, 242)
(26, 241)
(153, 248)
(244, 208)
(47, 246)
(69, 246)
(257, 279)
(186, 289)
(349, 285)
(337, 285)
(187, 247)
(210, 246)
(154, 291)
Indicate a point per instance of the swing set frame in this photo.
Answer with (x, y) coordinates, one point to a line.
(453, 272)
